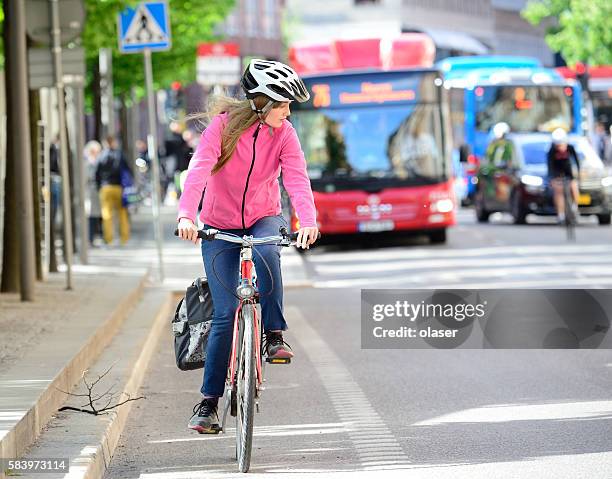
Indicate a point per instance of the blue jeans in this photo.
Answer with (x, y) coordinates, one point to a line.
(223, 286)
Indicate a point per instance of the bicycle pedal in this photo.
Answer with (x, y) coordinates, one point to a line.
(278, 360)
(215, 429)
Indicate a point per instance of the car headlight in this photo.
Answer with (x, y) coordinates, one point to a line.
(531, 180)
(607, 181)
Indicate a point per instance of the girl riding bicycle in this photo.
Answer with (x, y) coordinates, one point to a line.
(241, 154)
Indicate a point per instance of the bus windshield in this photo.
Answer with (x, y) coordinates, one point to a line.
(393, 144)
(525, 108)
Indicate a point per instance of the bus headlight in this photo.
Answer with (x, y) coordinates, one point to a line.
(442, 206)
(531, 180)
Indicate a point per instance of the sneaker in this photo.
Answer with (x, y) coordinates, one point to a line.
(205, 419)
(275, 346)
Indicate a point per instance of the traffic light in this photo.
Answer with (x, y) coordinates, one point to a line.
(177, 96)
(582, 74)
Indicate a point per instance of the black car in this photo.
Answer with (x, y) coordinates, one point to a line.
(513, 177)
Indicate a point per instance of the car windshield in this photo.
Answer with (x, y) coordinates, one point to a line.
(535, 152)
(392, 141)
(526, 109)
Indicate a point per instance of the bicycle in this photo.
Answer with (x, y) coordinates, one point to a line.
(245, 368)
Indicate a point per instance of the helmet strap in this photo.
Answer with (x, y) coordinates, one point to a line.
(264, 111)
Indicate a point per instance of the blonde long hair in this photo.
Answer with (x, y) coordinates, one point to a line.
(240, 117)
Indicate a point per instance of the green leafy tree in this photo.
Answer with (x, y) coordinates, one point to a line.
(580, 29)
(191, 22)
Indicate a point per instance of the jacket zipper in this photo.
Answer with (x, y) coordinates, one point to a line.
(246, 186)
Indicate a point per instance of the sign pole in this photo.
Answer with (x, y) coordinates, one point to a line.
(61, 106)
(152, 149)
(142, 29)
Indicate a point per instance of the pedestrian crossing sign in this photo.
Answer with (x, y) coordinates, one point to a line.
(145, 26)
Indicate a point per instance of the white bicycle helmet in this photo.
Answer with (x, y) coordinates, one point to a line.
(500, 130)
(559, 137)
(275, 80)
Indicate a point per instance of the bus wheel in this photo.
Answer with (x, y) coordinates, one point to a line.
(604, 219)
(438, 236)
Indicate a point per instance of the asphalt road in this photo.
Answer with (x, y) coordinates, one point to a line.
(339, 410)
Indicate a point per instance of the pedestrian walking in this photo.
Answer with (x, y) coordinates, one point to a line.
(111, 171)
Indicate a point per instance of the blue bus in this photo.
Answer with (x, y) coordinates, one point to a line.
(486, 90)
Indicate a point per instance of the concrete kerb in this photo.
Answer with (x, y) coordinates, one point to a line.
(17, 440)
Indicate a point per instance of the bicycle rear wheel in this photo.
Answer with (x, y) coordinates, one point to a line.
(246, 379)
(570, 214)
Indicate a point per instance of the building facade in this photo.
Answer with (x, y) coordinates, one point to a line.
(256, 26)
(456, 26)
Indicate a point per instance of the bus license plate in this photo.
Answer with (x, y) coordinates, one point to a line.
(375, 226)
(584, 199)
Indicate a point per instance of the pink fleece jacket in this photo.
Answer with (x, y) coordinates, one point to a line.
(275, 152)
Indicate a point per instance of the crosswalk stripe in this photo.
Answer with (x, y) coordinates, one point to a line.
(395, 254)
(379, 267)
(591, 282)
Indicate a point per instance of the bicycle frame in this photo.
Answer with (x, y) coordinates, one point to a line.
(246, 281)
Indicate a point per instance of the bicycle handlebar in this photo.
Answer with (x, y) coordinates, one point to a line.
(283, 239)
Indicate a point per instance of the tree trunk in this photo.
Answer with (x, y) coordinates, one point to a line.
(10, 251)
(35, 144)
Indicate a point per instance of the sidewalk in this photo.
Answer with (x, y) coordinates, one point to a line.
(116, 306)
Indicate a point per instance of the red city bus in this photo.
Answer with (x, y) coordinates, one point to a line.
(375, 136)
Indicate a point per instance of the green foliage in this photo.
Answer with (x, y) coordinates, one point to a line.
(1, 35)
(580, 29)
(191, 21)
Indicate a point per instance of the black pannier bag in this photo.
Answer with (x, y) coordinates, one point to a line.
(191, 325)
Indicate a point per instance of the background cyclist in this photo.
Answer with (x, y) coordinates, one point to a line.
(560, 158)
(241, 154)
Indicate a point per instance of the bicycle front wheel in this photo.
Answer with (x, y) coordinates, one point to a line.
(570, 215)
(246, 376)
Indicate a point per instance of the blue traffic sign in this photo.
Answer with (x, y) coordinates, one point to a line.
(145, 26)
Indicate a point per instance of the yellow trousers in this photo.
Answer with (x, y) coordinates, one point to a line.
(110, 202)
